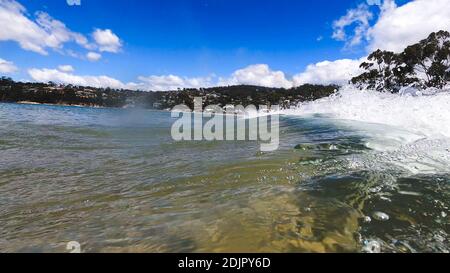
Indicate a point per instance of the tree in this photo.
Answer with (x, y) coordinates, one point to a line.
(425, 64)
(431, 58)
(384, 72)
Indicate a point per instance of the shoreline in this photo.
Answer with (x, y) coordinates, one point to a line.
(76, 105)
(58, 104)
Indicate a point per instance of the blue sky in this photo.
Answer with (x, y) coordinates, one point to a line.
(191, 38)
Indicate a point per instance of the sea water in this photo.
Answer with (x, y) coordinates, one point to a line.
(354, 171)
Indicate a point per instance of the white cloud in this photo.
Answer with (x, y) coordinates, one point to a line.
(360, 17)
(326, 72)
(107, 41)
(258, 74)
(400, 26)
(151, 83)
(66, 68)
(93, 56)
(44, 32)
(38, 35)
(336, 72)
(396, 26)
(172, 82)
(58, 33)
(7, 67)
(54, 75)
(254, 74)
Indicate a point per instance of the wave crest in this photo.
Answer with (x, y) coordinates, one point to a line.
(421, 113)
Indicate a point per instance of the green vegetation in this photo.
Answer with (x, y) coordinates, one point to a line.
(51, 93)
(425, 64)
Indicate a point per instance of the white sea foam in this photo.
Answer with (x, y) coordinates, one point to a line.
(422, 114)
(411, 130)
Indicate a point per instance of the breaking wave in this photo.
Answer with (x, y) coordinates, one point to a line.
(423, 114)
(411, 129)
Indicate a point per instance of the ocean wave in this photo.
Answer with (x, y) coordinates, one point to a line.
(424, 113)
(409, 130)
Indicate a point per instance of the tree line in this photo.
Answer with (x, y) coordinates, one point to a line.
(51, 93)
(422, 65)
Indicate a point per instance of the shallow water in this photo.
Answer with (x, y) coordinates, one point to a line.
(115, 181)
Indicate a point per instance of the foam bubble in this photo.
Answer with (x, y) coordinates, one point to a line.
(424, 115)
(409, 130)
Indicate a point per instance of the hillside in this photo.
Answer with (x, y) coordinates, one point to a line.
(51, 93)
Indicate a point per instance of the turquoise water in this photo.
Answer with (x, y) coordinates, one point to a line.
(115, 181)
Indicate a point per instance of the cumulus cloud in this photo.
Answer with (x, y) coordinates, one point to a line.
(64, 75)
(107, 41)
(360, 18)
(335, 72)
(44, 32)
(93, 56)
(66, 68)
(258, 74)
(255, 75)
(400, 26)
(172, 82)
(329, 72)
(7, 67)
(58, 33)
(396, 26)
(54, 75)
(38, 35)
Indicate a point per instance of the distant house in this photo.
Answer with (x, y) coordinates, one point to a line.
(228, 108)
(210, 109)
(85, 94)
(212, 95)
(53, 89)
(32, 90)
